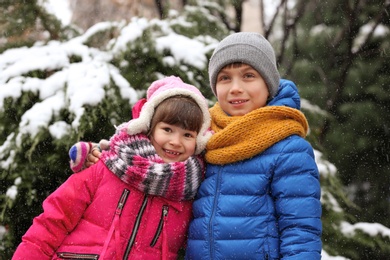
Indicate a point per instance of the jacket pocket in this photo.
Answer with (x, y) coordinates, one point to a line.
(163, 219)
(77, 256)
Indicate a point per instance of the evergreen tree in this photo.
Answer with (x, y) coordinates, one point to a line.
(340, 56)
(116, 62)
(24, 22)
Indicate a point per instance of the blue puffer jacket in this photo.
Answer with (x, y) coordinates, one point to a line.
(267, 207)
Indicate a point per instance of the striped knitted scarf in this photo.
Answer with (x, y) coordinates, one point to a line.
(241, 137)
(134, 160)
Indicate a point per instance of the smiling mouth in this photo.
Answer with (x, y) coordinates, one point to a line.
(238, 102)
(172, 152)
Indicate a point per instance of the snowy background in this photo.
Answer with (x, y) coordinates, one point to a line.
(72, 86)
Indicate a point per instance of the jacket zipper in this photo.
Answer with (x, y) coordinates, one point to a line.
(65, 255)
(211, 232)
(114, 229)
(135, 228)
(164, 214)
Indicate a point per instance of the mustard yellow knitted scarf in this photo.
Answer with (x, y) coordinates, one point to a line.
(241, 137)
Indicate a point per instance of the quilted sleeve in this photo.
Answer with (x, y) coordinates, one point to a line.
(296, 191)
(62, 211)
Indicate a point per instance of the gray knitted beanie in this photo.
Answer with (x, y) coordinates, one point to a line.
(249, 48)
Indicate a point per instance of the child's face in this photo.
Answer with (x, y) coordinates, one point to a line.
(173, 143)
(240, 90)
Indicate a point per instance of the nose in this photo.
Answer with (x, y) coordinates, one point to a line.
(235, 86)
(175, 140)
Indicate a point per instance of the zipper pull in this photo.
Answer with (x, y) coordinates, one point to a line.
(121, 202)
(165, 210)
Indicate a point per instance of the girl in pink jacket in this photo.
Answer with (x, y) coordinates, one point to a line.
(136, 202)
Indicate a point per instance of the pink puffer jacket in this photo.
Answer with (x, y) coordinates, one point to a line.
(94, 215)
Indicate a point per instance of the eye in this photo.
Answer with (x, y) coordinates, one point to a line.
(249, 75)
(167, 129)
(190, 135)
(222, 77)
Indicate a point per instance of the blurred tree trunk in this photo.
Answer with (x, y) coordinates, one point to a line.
(89, 12)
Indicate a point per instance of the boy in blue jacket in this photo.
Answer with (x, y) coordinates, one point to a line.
(261, 195)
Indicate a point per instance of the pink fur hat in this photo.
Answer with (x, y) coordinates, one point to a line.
(161, 90)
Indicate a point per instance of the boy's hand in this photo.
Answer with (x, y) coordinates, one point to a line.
(96, 152)
(93, 157)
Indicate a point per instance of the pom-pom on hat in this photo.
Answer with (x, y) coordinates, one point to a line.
(78, 154)
(249, 48)
(161, 90)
